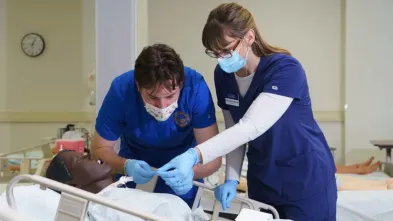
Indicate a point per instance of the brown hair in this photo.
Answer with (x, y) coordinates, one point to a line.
(231, 19)
(157, 64)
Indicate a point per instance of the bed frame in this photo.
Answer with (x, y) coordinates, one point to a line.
(244, 202)
(7, 171)
(73, 196)
(72, 199)
(386, 145)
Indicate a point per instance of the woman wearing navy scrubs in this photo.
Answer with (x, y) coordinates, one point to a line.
(265, 99)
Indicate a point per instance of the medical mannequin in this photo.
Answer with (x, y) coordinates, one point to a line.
(347, 183)
(359, 168)
(79, 170)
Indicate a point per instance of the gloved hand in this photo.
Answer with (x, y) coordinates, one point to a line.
(181, 188)
(139, 170)
(179, 170)
(225, 193)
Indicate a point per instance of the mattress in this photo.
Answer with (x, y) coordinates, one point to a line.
(366, 205)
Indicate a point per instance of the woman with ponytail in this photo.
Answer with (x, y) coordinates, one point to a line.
(263, 93)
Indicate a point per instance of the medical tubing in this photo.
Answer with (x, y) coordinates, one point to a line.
(45, 182)
(125, 167)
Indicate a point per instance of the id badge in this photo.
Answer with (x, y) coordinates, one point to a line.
(232, 100)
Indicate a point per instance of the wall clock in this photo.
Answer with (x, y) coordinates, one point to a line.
(33, 44)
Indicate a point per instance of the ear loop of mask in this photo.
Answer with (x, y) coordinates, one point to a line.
(248, 49)
(246, 56)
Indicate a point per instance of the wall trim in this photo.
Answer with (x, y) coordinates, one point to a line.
(89, 117)
(47, 117)
(320, 116)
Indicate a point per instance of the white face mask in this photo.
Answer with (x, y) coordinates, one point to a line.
(161, 114)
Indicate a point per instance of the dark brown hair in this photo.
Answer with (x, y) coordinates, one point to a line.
(157, 64)
(231, 19)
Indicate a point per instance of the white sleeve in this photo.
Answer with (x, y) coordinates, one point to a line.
(265, 110)
(234, 159)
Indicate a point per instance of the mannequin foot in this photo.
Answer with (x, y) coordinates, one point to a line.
(375, 166)
(389, 181)
(368, 162)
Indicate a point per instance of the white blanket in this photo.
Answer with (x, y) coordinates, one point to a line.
(42, 204)
(369, 205)
(33, 202)
(163, 205)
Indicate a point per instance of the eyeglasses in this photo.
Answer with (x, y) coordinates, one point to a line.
(226, 53)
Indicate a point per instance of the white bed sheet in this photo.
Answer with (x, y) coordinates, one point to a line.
(366, 205)
(372, 176)
(42, 205)
(33, 202)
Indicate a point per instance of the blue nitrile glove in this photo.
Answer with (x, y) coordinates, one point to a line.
(139, 170)
(178, 170)
(225, 193)
(181, 188)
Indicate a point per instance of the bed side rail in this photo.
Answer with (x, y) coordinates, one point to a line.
(44, 147)
(71, 196)
(252, 204)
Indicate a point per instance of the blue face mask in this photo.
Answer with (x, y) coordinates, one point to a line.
(234, 63)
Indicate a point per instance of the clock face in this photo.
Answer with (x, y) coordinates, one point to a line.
(33, 44)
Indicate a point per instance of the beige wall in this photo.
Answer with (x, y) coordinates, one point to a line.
(142, 25)
(369, 76)
(330, 38)
(35, 89)
(56, 74)
(311, 30)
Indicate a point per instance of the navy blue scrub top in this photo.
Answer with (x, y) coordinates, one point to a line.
(291, 160)
(123, 115)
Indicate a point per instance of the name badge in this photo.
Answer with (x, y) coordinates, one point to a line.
(232, 100)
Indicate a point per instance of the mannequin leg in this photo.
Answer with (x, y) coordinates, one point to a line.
(354, 183)
(348, 178)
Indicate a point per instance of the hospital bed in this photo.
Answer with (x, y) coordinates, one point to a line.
(74, 202)
(369, 205)
(366, 205)
(386, 145)
(363, 205)
(71, 194)
(25, 161)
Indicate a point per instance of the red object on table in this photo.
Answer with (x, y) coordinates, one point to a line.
(77, 145)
